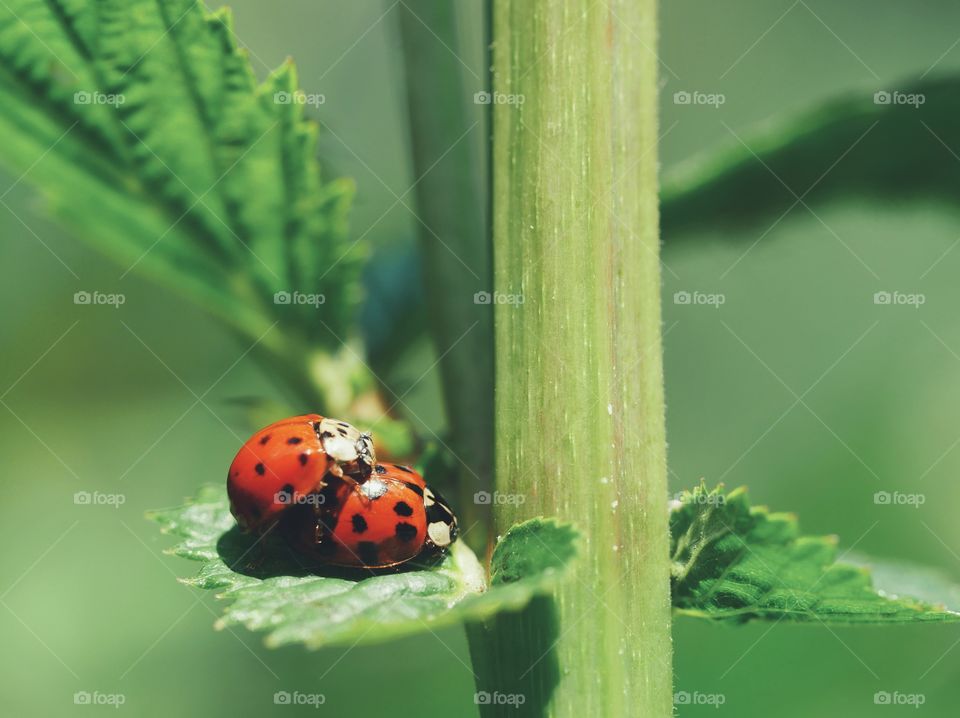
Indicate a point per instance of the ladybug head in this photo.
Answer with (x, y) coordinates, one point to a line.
(346, 445)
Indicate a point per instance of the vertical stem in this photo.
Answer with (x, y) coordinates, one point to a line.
(579, 393)
(446, 131)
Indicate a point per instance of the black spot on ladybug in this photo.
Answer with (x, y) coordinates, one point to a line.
(405, 468)
(287, 494)
(342, 432)
(414, 488)
(405, 531)
(264, 440)
(260, 469)
(368, 552)
(343, 423)
(303, 459)
(294, 440)
(380, 469)
(402, 508)
(359, 523)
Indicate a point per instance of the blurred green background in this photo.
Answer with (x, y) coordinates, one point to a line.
(93, 604)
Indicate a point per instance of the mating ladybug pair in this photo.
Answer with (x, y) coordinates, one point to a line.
(319, 481)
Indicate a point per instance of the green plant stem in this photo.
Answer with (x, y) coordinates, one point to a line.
(579, 390)
(446, 131)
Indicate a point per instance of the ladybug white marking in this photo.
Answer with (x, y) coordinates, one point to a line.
(439, 533)
(373, 488)
(340, 449)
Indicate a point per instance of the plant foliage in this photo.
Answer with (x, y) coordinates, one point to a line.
(734, 561)
(144, 127)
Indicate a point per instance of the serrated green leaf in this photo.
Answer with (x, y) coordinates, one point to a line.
(143, 125)
(852, 146)
(733, 561)
(270, 589)
(530, 559)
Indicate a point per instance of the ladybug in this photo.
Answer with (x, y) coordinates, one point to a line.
(390, 518)
(290, 459)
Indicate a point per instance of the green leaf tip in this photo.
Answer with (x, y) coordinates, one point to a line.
(734, 561)
(532, 548)
(268, 589)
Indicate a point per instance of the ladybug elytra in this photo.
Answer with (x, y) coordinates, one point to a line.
(390, 518)
(289, 459)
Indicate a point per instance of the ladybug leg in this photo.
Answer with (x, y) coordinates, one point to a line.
(356, 487)
(349, 477)
(256, 560)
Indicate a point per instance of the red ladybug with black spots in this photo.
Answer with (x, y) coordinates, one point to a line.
(291, 459)
(389, 518)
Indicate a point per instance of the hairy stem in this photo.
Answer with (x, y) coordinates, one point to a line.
(579, 389)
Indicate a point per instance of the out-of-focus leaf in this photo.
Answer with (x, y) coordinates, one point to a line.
(733, 561)
(902, 144)
(903, 578)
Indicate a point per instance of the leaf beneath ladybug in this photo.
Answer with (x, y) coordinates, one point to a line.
(736, 562)
(270, 589)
